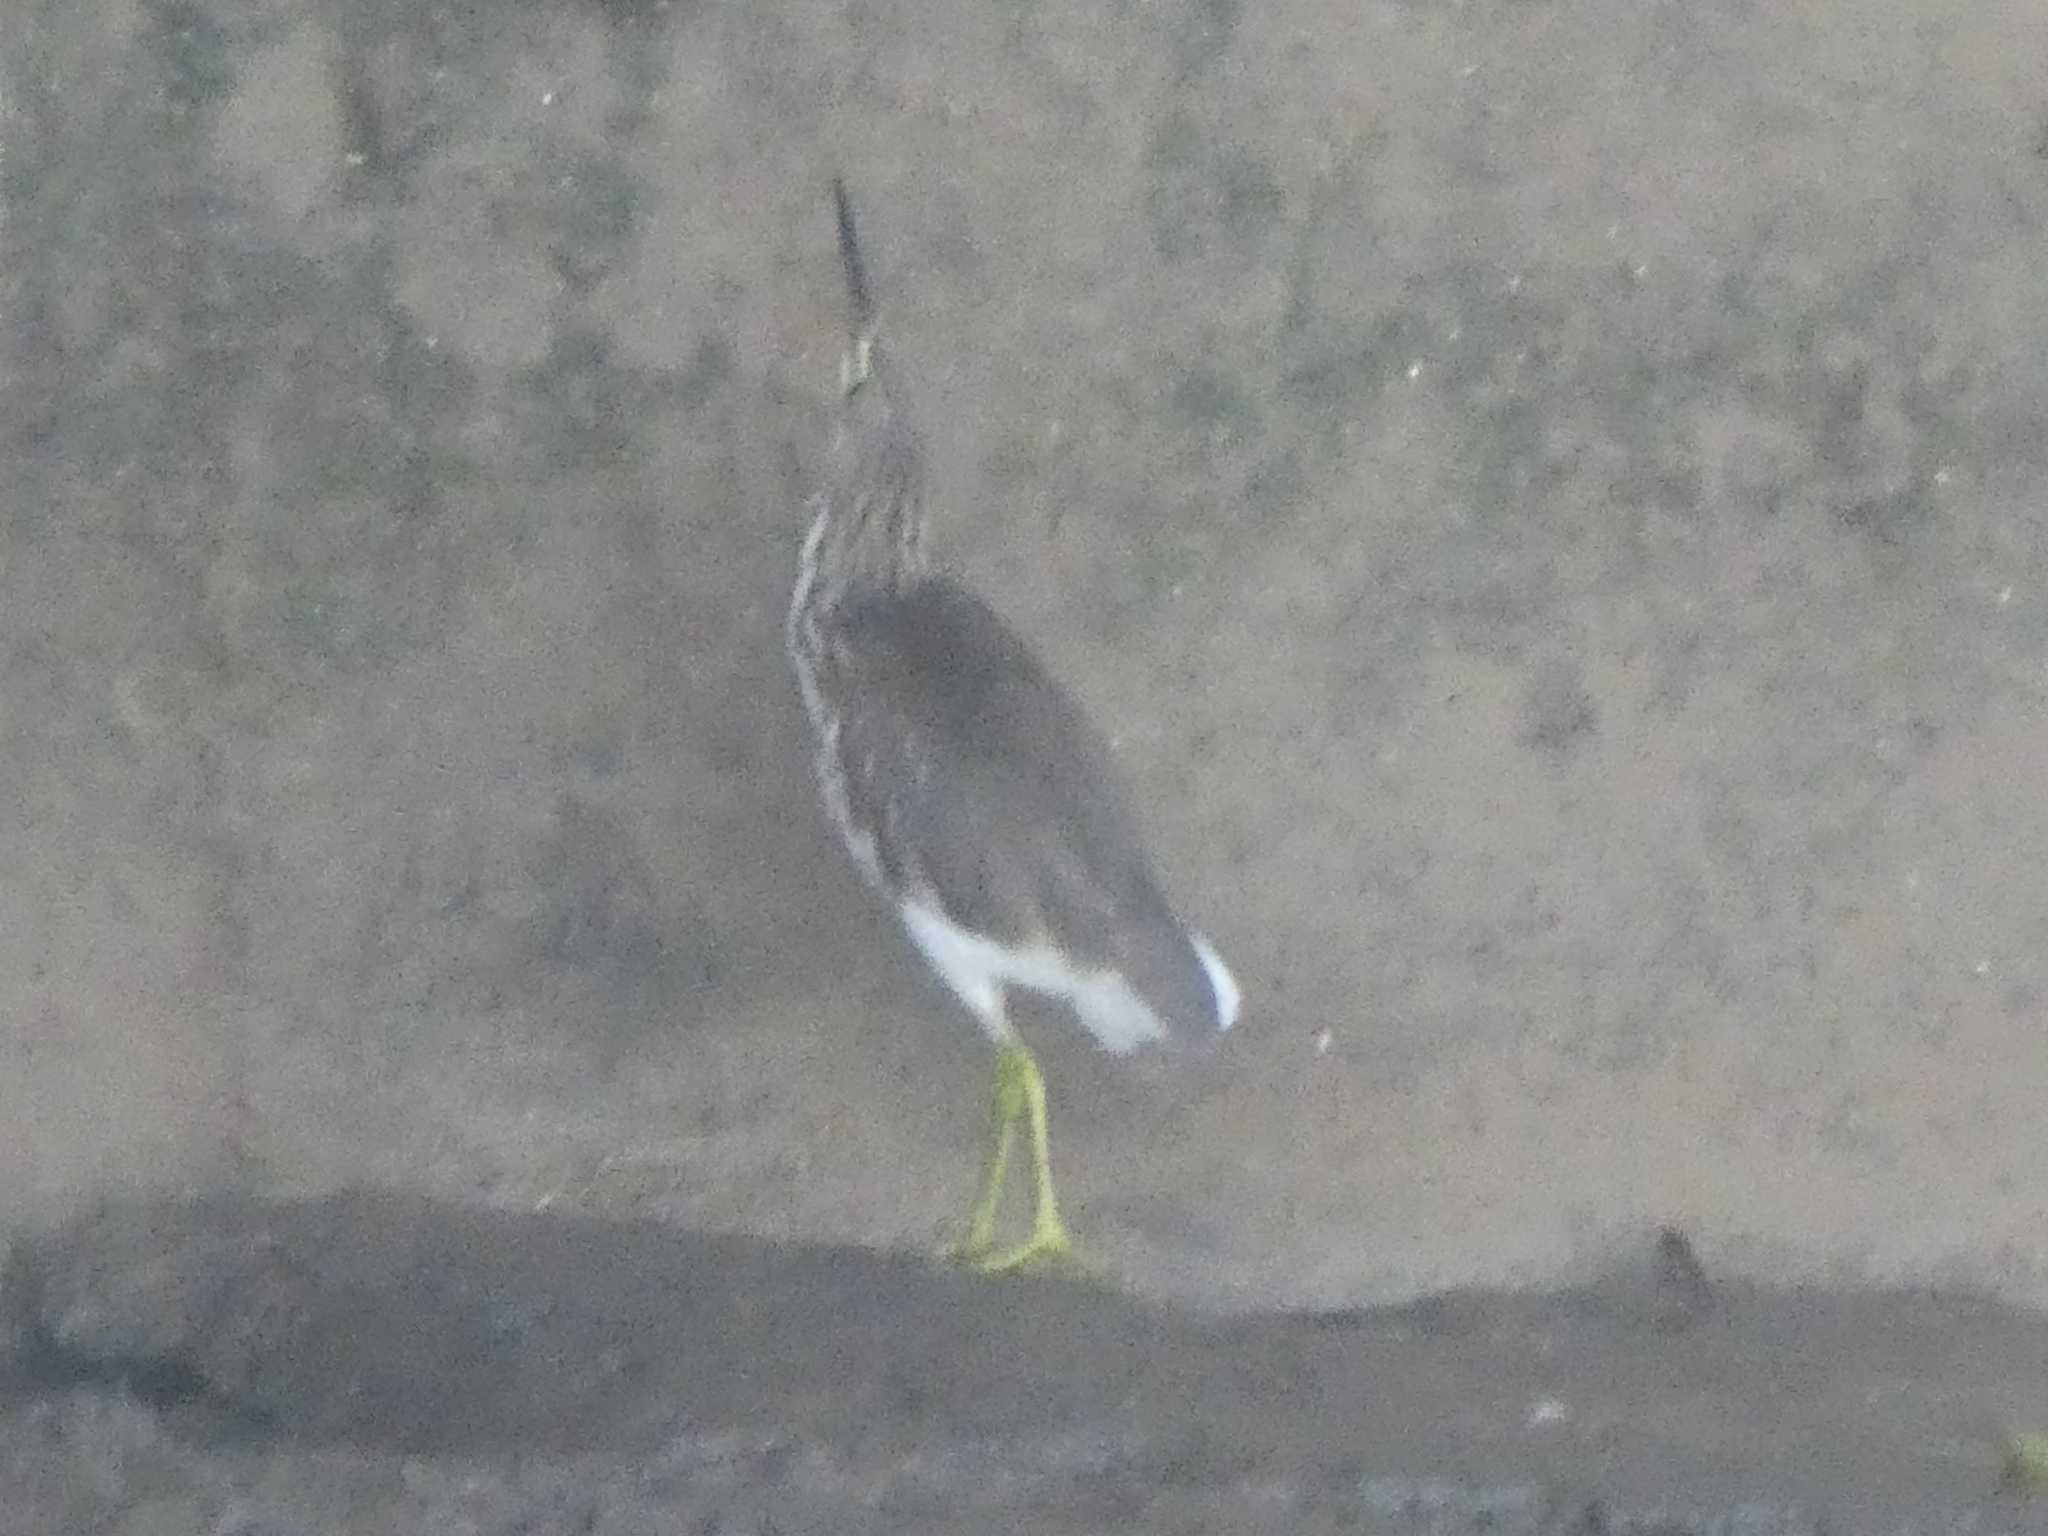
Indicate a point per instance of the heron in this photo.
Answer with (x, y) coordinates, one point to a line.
(973, 792)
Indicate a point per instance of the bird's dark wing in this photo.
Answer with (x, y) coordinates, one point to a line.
(993, 796)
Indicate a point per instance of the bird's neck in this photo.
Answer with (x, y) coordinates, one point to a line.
(869, 533)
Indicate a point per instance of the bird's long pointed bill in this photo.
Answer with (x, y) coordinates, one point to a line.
(849, 257)
(856, 364)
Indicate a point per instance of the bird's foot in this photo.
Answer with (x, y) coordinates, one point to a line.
(1049, 1247)
(968, 1250)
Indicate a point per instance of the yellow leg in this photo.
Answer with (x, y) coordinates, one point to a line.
(1019, 1095)
(979, 1240)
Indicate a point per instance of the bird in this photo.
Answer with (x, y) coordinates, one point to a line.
(973, 792)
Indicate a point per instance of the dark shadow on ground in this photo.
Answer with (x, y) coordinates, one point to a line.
(397, 1326)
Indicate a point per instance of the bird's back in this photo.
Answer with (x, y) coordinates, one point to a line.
(992, 799)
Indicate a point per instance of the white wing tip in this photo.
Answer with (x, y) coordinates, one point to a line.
(1221, 982)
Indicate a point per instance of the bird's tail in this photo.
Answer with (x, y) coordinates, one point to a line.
(857, 366)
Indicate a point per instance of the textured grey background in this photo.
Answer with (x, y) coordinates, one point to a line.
(1547, 496)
